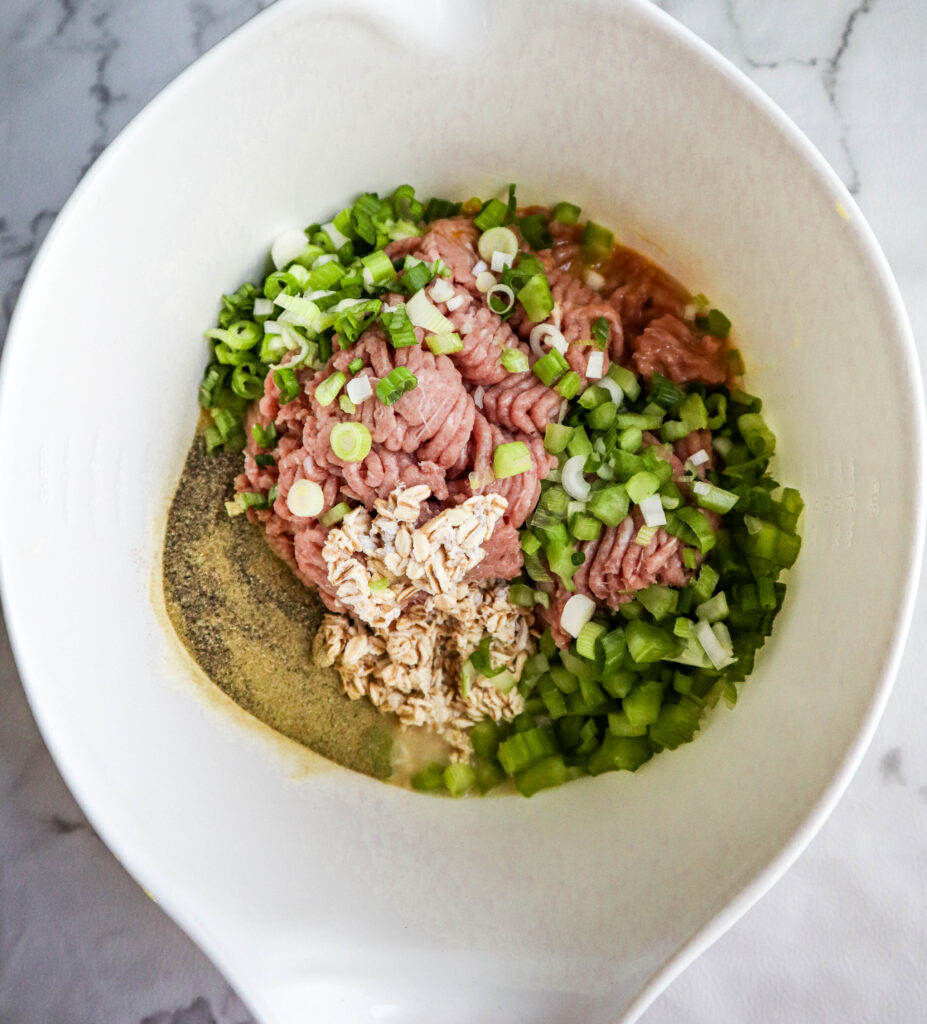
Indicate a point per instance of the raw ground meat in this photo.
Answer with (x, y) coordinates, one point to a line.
(443, 433)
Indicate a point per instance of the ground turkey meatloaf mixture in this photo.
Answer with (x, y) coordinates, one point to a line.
(432, 451)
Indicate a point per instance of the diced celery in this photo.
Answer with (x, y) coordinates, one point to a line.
(620, 725)
(647, 643)
(459, 778)
(659, 600)
(642, 704)
(619, 752)
(543, 774)
(429, 778)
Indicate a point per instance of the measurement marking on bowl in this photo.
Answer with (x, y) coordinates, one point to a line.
(875, 492)
(840, 501)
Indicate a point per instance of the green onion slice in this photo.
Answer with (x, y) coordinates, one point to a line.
(327, 391)
(536, 298)
(286, 381)
(395, 384)
(399, 327)
(494, 212)
(379, 267)
(444, 344)
(566, 213)
(350, 441)
(335, 514)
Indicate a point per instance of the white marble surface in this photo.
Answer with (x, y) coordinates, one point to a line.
(843, 937)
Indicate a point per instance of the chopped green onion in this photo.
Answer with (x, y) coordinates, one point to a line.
(395, 384)
(326, 275)
(286, 381)
(481, 659)
(511, 459)
(246, 383)
(716, 324)
(500, 299)
(380, 267)
(535, 231)
(350, 441)
(352, 322)
(425, 314)
(626, 380)
(213, 439)
(226, 421)
(601, 331)
(213, 379)
(264, 437)
(521, 595)
(550, 367)
(514, 360)
(400, 329)
(416, 276)
(760, 439)
(497, 240)
(355, 365)
(494, 212)
(444, 344)
(664, 392)
(335, 514)
(438, 209)
(565, 213)
(263, 460)
(698, 527)
(347, 406)
(240, 336)
(597, 242)
(536, 299)
(715, 498)
(327, 390)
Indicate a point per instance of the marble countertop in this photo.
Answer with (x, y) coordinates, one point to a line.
(843, 937)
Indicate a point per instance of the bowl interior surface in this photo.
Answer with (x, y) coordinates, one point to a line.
(324, 894)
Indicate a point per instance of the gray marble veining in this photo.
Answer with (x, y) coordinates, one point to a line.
(844, 936)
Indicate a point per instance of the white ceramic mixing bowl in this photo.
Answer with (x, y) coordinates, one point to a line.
(322, 894)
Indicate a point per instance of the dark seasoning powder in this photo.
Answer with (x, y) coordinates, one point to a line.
(249, 623)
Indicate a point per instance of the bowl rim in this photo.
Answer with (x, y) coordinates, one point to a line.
(912, 397)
